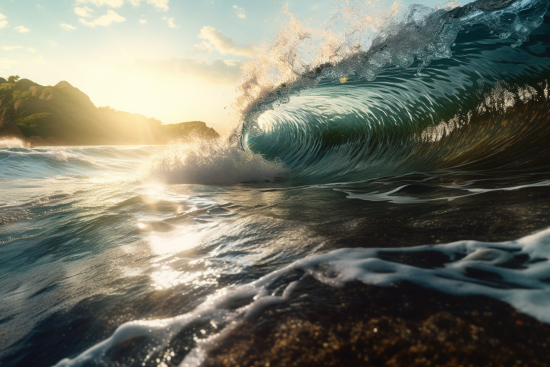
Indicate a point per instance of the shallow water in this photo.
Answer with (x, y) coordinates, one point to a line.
(155, 255)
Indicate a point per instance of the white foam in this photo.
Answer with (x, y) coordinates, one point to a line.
(13, 143)
(214, 162)
(525, 287)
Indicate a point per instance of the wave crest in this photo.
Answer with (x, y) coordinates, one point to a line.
(357, 99)
(213, 162)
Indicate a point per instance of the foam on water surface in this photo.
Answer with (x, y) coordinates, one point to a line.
(13, 143)
(210, 163)
(515, 272)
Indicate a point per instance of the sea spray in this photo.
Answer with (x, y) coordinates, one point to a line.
(210, 162)
(13, 143)
(411, 75)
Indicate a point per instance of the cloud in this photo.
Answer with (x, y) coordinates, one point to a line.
(22, 29)
(111, 3)
(159, 4)
(104, 20)
(170, 22)
(83, 12)
(67, 27)
(203, 48)
(52, 43)
(11, 48)
(142, 21)
(224, 44)
(240, 12)
(218, 72)
(4, 23)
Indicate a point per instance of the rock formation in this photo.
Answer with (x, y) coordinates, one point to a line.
(64, 115)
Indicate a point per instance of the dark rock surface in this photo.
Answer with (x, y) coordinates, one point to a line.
(404, 325)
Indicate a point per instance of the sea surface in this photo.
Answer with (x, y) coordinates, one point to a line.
(407, 146)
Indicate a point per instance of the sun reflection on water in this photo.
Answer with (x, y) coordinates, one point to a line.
(167, 277)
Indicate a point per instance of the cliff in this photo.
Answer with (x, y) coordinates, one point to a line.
(62, 114)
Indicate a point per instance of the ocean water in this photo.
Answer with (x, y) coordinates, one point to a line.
(407, 146)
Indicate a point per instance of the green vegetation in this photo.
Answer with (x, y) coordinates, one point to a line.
(9, 84)
(29, 124)
(62, 114)
(19, 96)
(13, 79)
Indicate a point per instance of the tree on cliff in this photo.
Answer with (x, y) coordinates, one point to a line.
(13, 79)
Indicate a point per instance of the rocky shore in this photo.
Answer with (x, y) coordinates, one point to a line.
(404, 325)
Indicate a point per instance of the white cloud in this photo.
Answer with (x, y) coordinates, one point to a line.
(111, 3)
(203, 48)
(159, 4)
(240, 12)
(11, 48)
(224, 44)
(142, 21)
(83, 12)
(67, 27)
(104, 20)
(3, 22)
(218, 72)
(22, 29)
(170, 22)
(52, 43)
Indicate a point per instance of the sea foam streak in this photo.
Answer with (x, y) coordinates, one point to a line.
(520, 271)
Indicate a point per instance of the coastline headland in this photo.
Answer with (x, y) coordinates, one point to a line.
(64, 115)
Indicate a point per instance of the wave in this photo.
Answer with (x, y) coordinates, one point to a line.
(22, 162)
(214, 162)
(13, 143)
(412, 89)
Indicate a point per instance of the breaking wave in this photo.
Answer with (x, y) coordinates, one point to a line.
(415, 88)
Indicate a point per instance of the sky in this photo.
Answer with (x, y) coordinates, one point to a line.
(174, 60)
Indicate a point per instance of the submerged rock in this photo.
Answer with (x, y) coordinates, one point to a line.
(404, 325)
